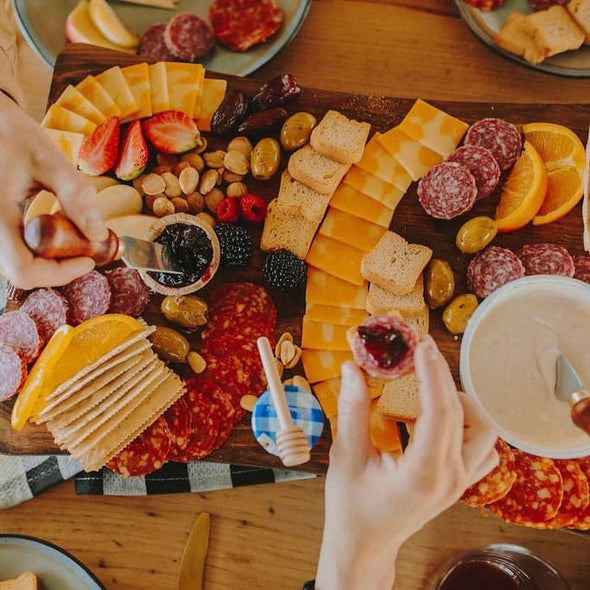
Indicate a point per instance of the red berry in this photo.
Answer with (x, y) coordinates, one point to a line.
(171, 132)
(134, 153)
(227, 210)
(99, 151)
(252, 207)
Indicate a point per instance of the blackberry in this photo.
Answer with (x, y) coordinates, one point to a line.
(283, 270)
(235, 243)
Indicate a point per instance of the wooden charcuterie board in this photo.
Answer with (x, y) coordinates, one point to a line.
(76, 61)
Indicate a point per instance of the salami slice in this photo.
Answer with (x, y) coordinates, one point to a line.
(492, 268)
(152, 44)
(582, 268)
(255, 295)
(188, 37)
(497, 483)
(144, 454)
(226, 414)
(241, 24)
(179, 419)
(546, 258)
(447, 190)
(535, 495)
(49, 309)
(582, 520)
(13, 372)
(19, 331)
(129, 294)
(249, 329)
(89, 296)
(500, 137)
(482, 165)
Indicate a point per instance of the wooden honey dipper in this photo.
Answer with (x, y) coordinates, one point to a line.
(292, 442)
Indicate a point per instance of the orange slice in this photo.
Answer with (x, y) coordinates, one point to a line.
(564, 191)
(524, 191)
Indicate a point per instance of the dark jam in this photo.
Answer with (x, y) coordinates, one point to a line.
(483, 576)
(190, 249)
(385, 346)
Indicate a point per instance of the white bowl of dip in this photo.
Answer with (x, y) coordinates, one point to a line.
(508, 357)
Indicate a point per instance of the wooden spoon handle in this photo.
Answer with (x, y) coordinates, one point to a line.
(581, 413)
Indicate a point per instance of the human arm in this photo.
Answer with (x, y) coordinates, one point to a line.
(375, 501)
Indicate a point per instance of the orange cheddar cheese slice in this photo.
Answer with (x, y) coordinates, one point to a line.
(98, 96)
(331, 314)
(159, 87)
(320, 365)
(114, 83)
(185, 85)
(373, 187)
(59, 118)
(322, 336)
(346, 198)
(351, 230)
(433, 128)
(68, 142)
(73, 100)
(384, 431)
(338, 259)
(327, 394)
(137, 77)
(326, 289)
(378, 161)
(213, 95)
(416, 158)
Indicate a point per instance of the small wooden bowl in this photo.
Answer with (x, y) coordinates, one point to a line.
(154, 232)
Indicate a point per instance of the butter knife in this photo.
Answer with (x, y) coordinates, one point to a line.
(192, 565)
(569, 388)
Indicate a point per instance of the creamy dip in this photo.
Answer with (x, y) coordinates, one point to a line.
(511, 358)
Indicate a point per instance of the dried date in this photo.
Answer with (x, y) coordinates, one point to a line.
(275, 92)
(263, 122)
(230, 113)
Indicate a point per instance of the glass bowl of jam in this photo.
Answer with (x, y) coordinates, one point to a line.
(192, 246)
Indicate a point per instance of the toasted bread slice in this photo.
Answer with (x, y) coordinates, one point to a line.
(380, 301)
(299, 199)
(26, 581)
(554, 30)
(516, 38)
(401, 398)
(580, 10)
(316, 171)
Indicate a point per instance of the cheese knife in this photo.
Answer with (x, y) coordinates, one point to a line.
(569, 388)
(192, 565)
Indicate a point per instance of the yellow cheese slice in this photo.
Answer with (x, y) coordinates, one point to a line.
(68, 142)
(384, 431)
(98, 96)
(113, 81)
(331, 314)
(326, 289)
(433, 128)
(373, 187)
(137, 77)
(159, 87)
(213, 95)
(322, 336)
(351, 230)
(416, 158)
(73, 100)
(59, 118)
(185, 85)
(348, 199)
(320, 365)
(379, 162)
(337, 259)
(327, 394)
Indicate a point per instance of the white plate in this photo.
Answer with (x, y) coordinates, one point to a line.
(486, 24)
(42, 22)
(57, 569)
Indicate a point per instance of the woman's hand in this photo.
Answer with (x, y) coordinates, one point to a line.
(375, 501)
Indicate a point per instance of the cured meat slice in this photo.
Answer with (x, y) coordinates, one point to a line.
(13, 372)
(497, 483)
(546, 258)
(89, 296)
(188, 37)
(482, 164)
(255, 295)
(226, 414)
(144, 454)
(129, 294)
(241, 24)
(582, 267)
(19, 331)
(50, 310)
(582, 520)
(500, 137)
(535, 495)
(230, 372)
(237, 316)
(152, 44)
(179, 419)
(250, 329)
(447, 190)
(492, 268)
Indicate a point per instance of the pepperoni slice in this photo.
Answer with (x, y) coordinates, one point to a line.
(152, 44)
(13, 372)
(229, 371)
(492, 268)
(582, 520)
(497, 483)
(582, 267)
(49, 309)
(500, 137)
(89, 296)
(226, 414)
(19, 331)
(482, 165)
(447, 190)
(129, 294)
(188, 37)
(255, 295)
(179, 418)
(546, 258)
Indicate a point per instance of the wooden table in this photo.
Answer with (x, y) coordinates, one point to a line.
(269, 536)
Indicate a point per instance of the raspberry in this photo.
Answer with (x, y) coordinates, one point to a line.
(227, 210)
(252, 207)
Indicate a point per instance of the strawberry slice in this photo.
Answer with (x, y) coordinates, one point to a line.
(171, 132)
(98, 152)
(134, 153)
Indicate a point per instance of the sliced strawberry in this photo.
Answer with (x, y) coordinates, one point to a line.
(98, 152)
(134, 153)
(171, 132)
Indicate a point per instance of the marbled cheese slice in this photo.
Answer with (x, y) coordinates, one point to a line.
(137, 77)
(326, 289)
(337, 259)
(322, 336)
(351, 230)
(98, 96)
(73, 100)
(159, 87)
(348, 199)
(332, 314)
(373, 187)
(59, 118)
(69, 142)
(185, 85)
(320, 365)
(114, 83)
(213, 95)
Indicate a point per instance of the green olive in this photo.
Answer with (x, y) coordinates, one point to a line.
(296, 130)
(457, 313)
(475, 234)
(187, 311)
(170, 345)
(265, 158)
(439, 282)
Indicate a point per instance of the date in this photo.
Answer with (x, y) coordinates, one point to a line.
(263, 122)
(277, 91)
(231, 112)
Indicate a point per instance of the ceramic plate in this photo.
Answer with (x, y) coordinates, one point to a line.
(57, 569)
(486, 24)
(43, 24)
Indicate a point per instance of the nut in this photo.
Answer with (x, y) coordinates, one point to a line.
(236, 189)
(202, 145)
(285, 336)
(195, 160)
(136, 182)
(294, 359)
(180, 205)
(301, 382)
(214, 159)
(288, 382)
(213, 198)
(230, 176)
(240, 144)
(196, 362)
(248, 402)
(280, 367)
(150, 199)
(161, 168)
(208, 181)
(152, 184)
(179, 167)
(188, 179)
(206, 218)
(162, 206)
(237, 162)
(172, 185)
(196, 202)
